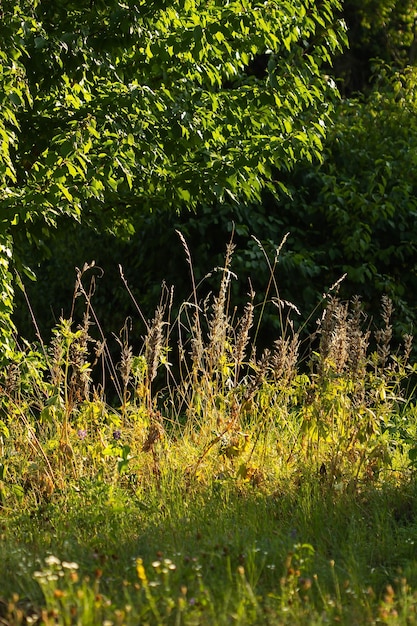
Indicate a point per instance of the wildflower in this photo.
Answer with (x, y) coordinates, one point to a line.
(68, 565)
(82, 434)
(117, 435)
(140, 570)
(52, 561)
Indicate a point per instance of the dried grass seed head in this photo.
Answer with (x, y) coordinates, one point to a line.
(153, 343)
(219, 320)
(284, 357)
(383, 335)
(245, 325)
(358, 339)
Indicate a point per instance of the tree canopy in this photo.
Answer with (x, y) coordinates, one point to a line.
(114, 108)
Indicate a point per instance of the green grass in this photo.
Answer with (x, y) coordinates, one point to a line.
(246, 489)
(216, 554)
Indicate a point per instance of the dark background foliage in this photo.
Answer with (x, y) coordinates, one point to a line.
(354, 214)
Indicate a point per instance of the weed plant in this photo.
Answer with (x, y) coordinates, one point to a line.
(224, 485)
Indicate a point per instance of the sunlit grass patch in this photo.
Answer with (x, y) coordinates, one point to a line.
(221, 484)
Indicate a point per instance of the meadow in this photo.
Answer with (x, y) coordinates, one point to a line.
(202, 481)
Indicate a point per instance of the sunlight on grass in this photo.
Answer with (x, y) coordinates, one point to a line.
(202, 481)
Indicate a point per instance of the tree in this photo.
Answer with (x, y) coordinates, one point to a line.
(114, 108)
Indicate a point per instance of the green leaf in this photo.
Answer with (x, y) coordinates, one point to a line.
(65, 192)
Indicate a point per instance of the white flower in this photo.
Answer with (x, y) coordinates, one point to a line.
(70, 566)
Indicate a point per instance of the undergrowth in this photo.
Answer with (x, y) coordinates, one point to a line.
(207, 437)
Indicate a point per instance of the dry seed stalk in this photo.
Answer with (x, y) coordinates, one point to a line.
(126, 359)
(242, 338)
(197, 350)
(383, 336)
(219, 323)
(80, 376)
(57, 352)
(340, 340)
(333, 340)
(283, 360)
(358, 341)
(125, 368)
(408, 345)
(154, 342)
(155, 432)
(11, 375)
(126, 356)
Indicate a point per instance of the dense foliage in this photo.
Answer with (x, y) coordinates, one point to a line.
(377, 29)
(352, 214)
(127, 107)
